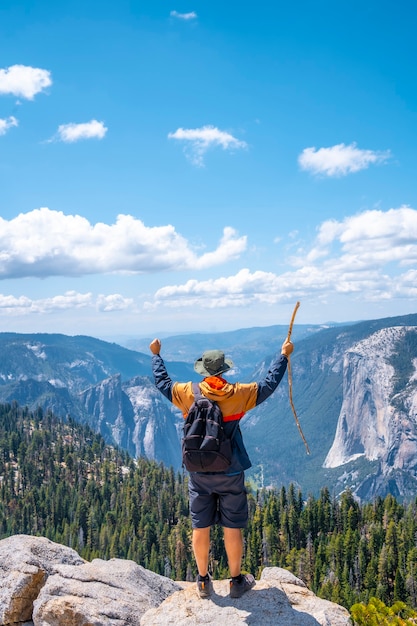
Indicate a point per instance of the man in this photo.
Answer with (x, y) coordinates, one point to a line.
(220, 497)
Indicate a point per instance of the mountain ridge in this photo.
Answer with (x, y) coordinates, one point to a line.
(110, 387)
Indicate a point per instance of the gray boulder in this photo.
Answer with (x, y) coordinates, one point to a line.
(278, 599)
(43, 583)
(115, 592)
(25, 564)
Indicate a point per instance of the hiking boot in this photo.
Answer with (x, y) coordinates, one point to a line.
(238, 588)
(204, 586)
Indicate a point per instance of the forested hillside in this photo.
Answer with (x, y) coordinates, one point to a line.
(60, 480)
(349, 380)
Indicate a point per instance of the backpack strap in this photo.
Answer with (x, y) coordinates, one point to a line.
(196, 391)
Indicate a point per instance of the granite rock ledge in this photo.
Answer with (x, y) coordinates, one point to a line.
(43, 583)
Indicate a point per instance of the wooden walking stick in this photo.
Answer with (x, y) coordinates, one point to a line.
(290, 379)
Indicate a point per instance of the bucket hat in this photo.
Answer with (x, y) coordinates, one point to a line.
(212, 363)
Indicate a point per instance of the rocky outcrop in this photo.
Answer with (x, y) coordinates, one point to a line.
(52, 585)
(278, 599)
(101, 592)
(25, 565)
(46, 584)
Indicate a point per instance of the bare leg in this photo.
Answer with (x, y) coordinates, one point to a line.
(201, 547)
(233, 543)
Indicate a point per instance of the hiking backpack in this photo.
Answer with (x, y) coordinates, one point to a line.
(205, 447)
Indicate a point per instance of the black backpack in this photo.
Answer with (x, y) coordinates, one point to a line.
(205, 447)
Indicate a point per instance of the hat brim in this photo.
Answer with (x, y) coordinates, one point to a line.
(200, 369)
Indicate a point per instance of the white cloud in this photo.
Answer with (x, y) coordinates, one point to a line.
(199, 140)
(70, 300)
(369, 257)
(48, 243)
(241, 290)
(24, 81)
(372, 238)
(339, 160)
(184, 16)
(363, 255)
(23, 304)
(7, 123)
(230, 247)
(13, 303)
(113, 302)
(70, 133)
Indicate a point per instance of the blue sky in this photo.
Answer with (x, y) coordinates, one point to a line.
(172, 167)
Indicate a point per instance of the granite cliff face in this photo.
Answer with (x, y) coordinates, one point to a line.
(43, 583)
(133, 415)
(378, 418)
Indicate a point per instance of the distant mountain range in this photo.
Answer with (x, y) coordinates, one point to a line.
(354, 388)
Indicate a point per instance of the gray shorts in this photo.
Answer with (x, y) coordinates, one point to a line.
(218, 499)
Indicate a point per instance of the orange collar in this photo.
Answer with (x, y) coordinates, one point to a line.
(215, 382)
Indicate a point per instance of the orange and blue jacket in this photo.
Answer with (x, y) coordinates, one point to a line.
(234, 399)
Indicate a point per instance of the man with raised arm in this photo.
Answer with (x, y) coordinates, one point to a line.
(220, 498)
